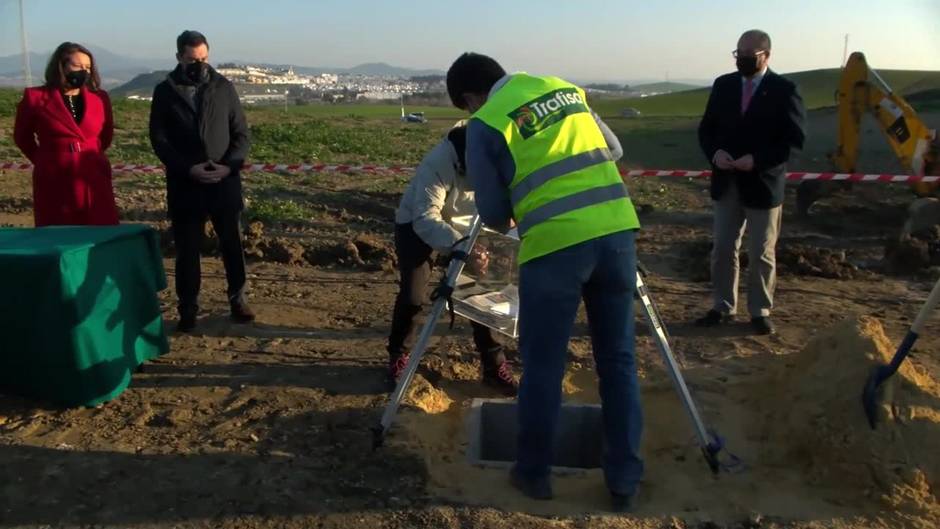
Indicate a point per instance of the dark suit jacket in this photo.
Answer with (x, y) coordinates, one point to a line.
(183, 135)
(771, 130)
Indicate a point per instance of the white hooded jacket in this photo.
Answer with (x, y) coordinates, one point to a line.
(438, 192)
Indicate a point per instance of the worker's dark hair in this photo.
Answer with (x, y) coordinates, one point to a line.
(458, 138)
(191, 39)
(760, 35)
(472, 73)
(55, 69)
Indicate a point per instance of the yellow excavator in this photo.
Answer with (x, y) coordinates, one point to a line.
(862, 90)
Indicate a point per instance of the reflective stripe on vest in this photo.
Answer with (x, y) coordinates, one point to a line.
(559, 168)
(569, 203)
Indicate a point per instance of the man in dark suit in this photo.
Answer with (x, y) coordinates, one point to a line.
(198, 130)
(753, 123)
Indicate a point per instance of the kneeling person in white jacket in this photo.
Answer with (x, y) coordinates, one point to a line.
(438, 192)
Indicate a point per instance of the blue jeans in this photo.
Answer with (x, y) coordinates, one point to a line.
(601, 271)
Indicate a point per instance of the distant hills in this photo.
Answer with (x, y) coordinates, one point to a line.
(114, 68)
(376, 69)
(817, 87)
(117, 69)
(125, 75)
(635, 89)
(664, 87)
(141, 85)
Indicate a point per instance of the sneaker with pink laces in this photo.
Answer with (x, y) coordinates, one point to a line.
(501, 378)
(396, 366)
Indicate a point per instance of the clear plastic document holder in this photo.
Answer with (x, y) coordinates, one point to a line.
(489, 294)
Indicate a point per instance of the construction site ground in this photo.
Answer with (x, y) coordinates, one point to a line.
(268, 425)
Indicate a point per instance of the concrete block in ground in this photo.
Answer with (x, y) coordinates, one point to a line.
(492, 430)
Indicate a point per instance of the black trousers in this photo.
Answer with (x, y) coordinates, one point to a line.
(415, 263)
(187, 236)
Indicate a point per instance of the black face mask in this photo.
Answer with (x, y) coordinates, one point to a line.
(747, 66)
(197, 72)
(76, 78)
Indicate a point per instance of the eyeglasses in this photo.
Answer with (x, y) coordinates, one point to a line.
(739, 53)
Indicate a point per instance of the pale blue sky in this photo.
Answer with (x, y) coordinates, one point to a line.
(591, 39)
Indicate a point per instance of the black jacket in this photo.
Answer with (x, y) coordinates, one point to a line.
(771, 130)
(183, 136)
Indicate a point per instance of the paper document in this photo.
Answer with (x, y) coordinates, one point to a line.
(504, 302)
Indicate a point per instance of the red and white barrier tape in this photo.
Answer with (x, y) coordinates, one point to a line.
(797, 176)
(248, 168)
(341, 168)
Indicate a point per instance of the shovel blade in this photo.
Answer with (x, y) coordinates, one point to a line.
(871, 397)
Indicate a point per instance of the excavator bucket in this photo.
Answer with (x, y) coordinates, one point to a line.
(862, 91)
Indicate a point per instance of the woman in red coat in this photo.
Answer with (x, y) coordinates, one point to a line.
(64, 127)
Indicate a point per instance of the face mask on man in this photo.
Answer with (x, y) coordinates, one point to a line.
(76, 78)
(747, 66)
(197, 72)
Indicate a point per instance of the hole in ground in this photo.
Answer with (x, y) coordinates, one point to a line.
(493, 429)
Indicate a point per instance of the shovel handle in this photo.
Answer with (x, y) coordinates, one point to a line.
(908, 343)
(932, 300)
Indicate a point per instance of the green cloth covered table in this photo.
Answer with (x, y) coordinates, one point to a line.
(78, 310)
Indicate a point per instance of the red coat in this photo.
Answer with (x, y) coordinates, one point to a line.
(71, 175)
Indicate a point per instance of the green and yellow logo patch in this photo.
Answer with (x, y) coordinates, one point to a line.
(539, 114)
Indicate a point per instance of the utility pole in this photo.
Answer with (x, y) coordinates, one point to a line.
(845, 51)
(27, 71)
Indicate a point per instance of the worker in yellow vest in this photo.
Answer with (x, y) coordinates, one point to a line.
(540, 159)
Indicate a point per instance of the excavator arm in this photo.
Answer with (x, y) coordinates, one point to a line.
(862, 90)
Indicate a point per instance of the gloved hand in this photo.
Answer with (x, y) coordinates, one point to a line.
(479, 261)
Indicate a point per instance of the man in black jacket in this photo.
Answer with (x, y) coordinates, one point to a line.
(199, 132)
(753, 123)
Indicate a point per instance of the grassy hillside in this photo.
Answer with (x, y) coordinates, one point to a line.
(329, 133)
(817, 87)
(664, 87)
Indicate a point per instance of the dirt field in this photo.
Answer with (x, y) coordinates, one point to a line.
(267, 425)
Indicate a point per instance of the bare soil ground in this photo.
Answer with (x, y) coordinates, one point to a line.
(267, 425)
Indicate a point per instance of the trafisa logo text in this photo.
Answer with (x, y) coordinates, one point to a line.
(539, 114)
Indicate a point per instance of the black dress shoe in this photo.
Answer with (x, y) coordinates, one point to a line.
(622, 503)
(763, 326)
(712, 318)
(241, 312)
(537, 489)
(187, 321)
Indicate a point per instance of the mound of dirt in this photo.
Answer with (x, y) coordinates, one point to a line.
(792, 259)
(815, 419)
(797, 423)
(367, 251)
(914, 253)
(209, 245)
(426, 397)
(328, 254)
(375, 250)
(281, 250)
(797, 259)
(253, 237)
